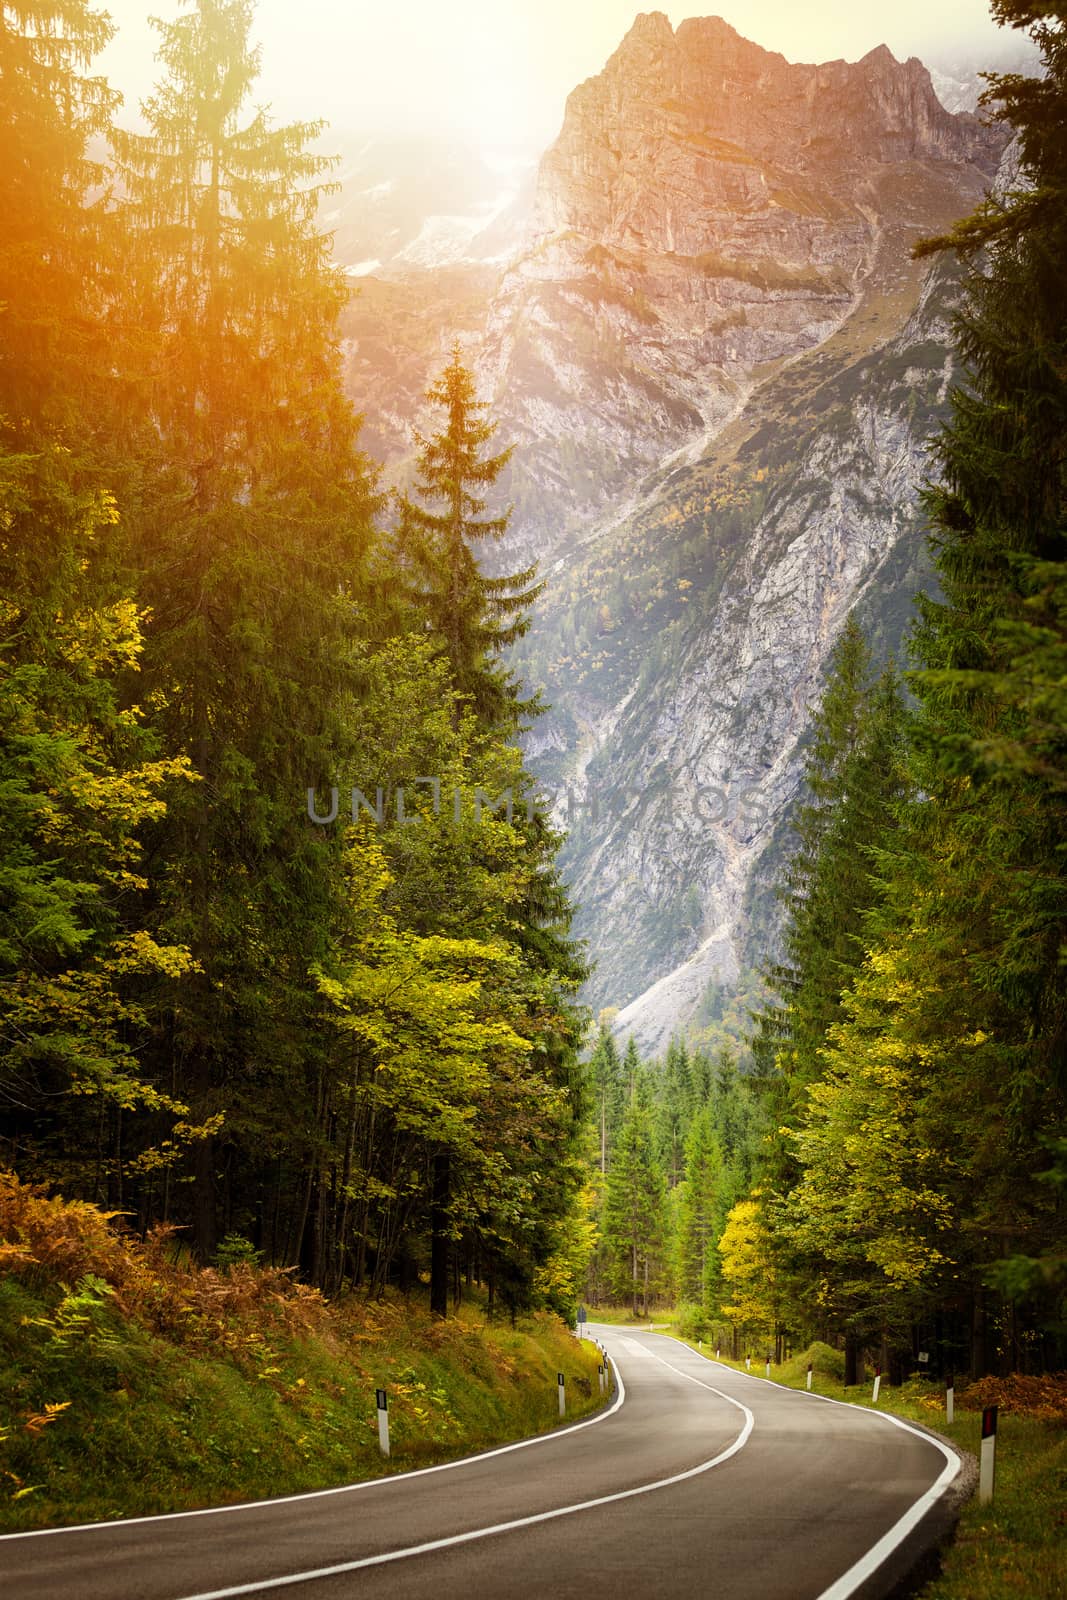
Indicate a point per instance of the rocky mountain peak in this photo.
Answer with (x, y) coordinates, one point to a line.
(648, 26)
(690, 93)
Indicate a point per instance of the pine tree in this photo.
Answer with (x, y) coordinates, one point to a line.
(853, 779)
(990, 653)
(476, 616)
(54, 248)
(703, 1209)
(635, 1224)
(854, 782)
(634, 1072)
(605, 1071)
(924, 1138)
(981, 865)
(250, 545)
(674, 1111)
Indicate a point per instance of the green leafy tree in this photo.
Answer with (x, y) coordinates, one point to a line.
(79, 786)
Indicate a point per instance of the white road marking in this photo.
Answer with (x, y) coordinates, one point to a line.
(518, 1522)
(322, 1494)
(632, 1347)
(880, 1551)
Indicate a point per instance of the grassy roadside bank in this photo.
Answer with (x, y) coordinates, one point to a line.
(1016, 1548)
(132, 1383)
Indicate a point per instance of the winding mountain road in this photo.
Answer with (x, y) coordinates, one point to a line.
(697, 1482)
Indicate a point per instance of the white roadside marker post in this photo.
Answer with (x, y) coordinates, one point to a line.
(768, 1368)
(600, 1376)
(987, 1464)
(748, 1363)
(809, 1374)
(950, 1398)
(383, 1421)
(561, 1385)
(877, 1384)
(718, 1351)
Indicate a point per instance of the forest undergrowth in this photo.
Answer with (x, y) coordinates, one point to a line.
(134, 1382)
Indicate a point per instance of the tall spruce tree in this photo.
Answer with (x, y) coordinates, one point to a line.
(249, 545)
(705, 1202)
(54, 245)
(926, 1146)
(476, 616)
(605, 1071)
(472, 618)
(635, 1216)
(854, 781)
(986, 843)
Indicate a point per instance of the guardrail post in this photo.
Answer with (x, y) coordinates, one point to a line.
(987, 1464)
(383, 1421)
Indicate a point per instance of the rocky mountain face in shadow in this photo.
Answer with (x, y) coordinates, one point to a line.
(720, 367)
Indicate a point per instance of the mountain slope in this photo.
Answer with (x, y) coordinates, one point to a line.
(719, 365)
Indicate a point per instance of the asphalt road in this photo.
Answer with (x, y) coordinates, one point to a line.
(699, 1482)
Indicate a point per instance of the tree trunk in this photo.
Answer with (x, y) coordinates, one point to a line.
(852, 1354)
(980, 1365)
(439, 1223)
(205, 1226)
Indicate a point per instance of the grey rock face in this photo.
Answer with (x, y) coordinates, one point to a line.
(719, 365)
(707, 209)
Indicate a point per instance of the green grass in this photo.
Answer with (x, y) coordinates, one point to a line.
(149, 1425)
(618, 1316)
(1014, 1549)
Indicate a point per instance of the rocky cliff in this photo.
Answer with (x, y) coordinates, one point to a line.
(708, 209)
(720, 367)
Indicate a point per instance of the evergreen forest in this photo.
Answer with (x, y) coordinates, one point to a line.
(286, 962)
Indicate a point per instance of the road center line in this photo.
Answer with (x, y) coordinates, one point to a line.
(518, 1522)
(883, 1548)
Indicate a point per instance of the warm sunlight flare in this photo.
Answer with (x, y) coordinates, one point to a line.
(533, 789)
(499, 71)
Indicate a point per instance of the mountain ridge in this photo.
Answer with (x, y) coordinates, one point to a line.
(719, 365)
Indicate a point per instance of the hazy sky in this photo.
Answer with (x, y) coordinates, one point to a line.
(500, 70)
